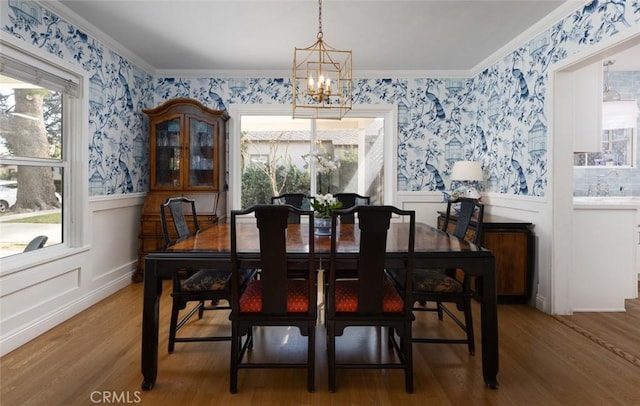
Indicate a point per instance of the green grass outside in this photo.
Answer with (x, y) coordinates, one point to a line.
(53, 218)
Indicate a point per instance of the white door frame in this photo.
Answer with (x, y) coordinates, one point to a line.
(560, 214)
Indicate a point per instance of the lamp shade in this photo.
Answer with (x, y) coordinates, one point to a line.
(467, 171)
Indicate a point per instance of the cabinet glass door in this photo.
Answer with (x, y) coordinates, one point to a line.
(202, 154)
(167, 168)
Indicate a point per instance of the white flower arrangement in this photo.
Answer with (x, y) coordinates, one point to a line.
(323, 205)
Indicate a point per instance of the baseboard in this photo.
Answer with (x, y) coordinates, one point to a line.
(541, 304)
(600, 310)
(50, 320)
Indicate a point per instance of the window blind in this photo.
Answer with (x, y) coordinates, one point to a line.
(37, 73)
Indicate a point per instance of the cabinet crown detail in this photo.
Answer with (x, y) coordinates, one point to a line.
(184, 105)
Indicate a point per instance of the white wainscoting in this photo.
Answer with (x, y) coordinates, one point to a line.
(62, 281)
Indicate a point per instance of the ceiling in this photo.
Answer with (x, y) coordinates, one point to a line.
(260, 35)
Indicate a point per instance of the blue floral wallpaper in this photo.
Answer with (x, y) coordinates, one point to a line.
(497, 117)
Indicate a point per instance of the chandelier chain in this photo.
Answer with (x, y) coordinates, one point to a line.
(319, 19)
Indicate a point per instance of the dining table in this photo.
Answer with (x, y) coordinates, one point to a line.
(210, 248)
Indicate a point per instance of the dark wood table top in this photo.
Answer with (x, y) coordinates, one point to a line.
(428, 240)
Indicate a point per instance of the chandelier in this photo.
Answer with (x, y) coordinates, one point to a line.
(321, 79)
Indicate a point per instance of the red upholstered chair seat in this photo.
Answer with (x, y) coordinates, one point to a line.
(297, 296)
(347, 297)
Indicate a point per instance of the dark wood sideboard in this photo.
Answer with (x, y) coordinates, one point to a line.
(512, 244)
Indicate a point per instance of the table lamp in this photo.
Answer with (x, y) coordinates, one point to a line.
(468, 174)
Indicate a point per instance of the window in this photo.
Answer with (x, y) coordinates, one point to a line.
(36, 111)
(617, 149)
(618, 142)
(278, 154)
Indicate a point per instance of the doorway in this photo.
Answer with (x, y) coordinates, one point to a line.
(561, 203)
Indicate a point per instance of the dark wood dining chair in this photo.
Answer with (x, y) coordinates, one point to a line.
(176, 207)
(442, 286)
(349, 200)
(276, 298)
(297, 200)
(193, 285)
(370, 299)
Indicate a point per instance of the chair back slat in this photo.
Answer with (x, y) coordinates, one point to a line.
(176, 205)
(470, 215)
(373, 246)
(272, 226)
(179, 221)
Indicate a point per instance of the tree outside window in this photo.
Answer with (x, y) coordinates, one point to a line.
(311, 157)
(32, 163)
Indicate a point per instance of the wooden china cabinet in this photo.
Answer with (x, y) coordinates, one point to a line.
(187, 150)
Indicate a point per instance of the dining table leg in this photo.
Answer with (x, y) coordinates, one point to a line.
(489, 322)
(150, 318)
(483, 268)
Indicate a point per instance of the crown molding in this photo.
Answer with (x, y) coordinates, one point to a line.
(561, 12)
(558, 14)
(73, 18)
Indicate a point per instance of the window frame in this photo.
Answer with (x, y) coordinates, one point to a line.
(386, 111)
(73, 163)
(607, 140)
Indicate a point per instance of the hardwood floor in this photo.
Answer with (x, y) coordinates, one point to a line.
(617, 332)
(95, 358)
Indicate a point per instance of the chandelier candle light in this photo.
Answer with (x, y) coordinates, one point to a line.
(322, 79)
